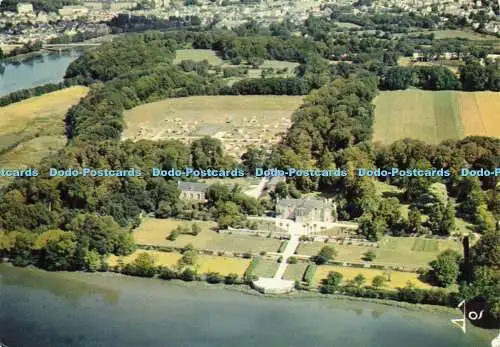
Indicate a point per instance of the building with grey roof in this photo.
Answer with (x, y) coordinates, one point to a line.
(193, 190)
(305, 210)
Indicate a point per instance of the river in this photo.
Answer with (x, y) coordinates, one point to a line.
(40, 309)
(34, 70)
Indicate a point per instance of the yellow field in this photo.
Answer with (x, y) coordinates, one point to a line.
(435, 116)
(207, 263)
(398, 279)
(223, 265)
(162, 258)
(17, 116)
(480, 113)
(238, 121)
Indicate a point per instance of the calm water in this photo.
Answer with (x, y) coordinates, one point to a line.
(35, 70)
(72, 309)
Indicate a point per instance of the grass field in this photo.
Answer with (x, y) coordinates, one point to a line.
(470, 35)
(34, 128)
(238, 121)
(453, 65)
(295, 272)
(223, 265)
(266, 268)
(18, 116)
(154, 232)
(435, 116)
(428, 116)
(197, 55)
(398, 279)
(393, 251)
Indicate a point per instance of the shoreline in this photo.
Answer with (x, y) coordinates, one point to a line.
(247, 290)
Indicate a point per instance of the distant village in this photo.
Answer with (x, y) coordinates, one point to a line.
(26, 25)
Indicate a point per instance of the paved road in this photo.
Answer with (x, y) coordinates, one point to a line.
(291, 246)
(257, 191)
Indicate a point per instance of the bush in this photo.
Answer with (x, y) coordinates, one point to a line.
(378, 281)
(188, 275)
(326, 254)
(282, 247)
(309, 273)
(369, 256)
(292, 260)
(251, 268)
(195, 229)
(232, 278)
(173, 235)
(167, 274)
(247, 255)
(214, 277)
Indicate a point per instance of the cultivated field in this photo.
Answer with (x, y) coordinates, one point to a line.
(398, 279)
(393, 251)
(18, 116)
(206, 263)
(238, 121)
(154, 232)
(435, 116)
(480, 113)
(34, 128)
(428, 116)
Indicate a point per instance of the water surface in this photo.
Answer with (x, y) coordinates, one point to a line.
(32, 71)
(87, 310)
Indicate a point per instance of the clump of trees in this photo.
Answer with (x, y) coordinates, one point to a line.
(325, 255)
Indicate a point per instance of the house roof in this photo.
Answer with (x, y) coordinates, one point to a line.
(192, 186)
(308, 204)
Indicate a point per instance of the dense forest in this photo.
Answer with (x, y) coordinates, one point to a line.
(64, 223)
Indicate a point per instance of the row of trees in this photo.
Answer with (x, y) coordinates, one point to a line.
(473, 77)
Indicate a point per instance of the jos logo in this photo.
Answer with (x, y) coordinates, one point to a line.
(476, 312)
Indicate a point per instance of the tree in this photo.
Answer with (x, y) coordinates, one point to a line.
(254, 158)
(281, 190)
(326, 254)
(378, 281)
(369, 255)
(195, 228)
(359, 280)
(92, 261)
(143, 266)
(331, 283)
(57, 249)
(207, 153)
(445, 269)
(414, 220)
(473, 76)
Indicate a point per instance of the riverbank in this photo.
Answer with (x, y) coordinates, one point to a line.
(95, 277)
(106, 309)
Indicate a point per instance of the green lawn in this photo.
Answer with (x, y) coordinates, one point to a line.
(266, 268)
(393, 251)
(470, 35)
(429, 116)
(197, 55)
(154, 232)
(295, 272)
